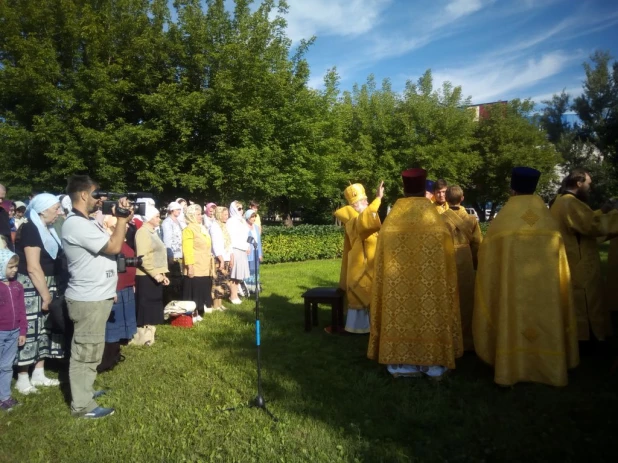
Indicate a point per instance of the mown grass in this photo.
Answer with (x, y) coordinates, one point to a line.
(333, 404)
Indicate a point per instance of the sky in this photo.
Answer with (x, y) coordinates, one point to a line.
(494, 49)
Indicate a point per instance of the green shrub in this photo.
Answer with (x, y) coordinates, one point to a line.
(484, 226)
(306, 242)
(302, 242)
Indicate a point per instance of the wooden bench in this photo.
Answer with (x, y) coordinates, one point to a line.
(332, 296)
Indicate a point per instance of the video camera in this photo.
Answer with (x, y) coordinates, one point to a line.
(108, 206)
(123, 262)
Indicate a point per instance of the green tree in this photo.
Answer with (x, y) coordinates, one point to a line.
(597, 107)
(438, 133)
(71, 78)
(506, 138)
(591, 143)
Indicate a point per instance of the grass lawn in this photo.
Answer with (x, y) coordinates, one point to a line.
(333, 404)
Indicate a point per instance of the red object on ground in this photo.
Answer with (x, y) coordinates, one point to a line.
(182, 321)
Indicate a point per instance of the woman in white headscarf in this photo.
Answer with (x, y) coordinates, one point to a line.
(150, 277)
(224, 259)
(181, 217)
(39, 251)
(239, 233)
(198, 263)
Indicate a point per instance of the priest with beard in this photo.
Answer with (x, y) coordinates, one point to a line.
(524, 317)
(415, 319)
(362, 223)
(581, 227)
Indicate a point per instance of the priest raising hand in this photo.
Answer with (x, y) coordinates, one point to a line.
(362, 224)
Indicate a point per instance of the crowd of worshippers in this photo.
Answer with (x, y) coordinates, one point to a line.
(427, 286)
(63, 291)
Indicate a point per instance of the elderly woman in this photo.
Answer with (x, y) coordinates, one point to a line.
(38, 248)
(224, 259)
(237, 227)
(150, 277)
(254, 265)
(198, 265)
(121, 324)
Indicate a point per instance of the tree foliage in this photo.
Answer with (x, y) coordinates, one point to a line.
(592, 143)
(509, 137)
(215, 104)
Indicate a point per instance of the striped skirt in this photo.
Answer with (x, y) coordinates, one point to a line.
(41, 343)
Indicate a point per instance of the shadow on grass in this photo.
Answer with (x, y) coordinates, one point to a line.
(467, 417)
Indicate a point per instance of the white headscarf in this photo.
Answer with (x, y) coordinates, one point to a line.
(40, 203)
(235, 213)
(67, 204)
(5, 256)
(149, 202)
(151, 212)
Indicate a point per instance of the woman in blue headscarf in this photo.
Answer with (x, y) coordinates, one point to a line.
(38, 248)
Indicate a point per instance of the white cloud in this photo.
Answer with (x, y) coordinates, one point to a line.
(491, 80)
(457, 8)
(573, 90)
(332, 17)
(574, 26)
(428, 26)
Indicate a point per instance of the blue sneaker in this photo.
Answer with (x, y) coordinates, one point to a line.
(98, 394)
(8, 404)
(99, 412)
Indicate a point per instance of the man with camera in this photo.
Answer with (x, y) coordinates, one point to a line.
(91, 255)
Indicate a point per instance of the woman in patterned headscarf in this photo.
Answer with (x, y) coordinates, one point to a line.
(224, 260)
(198, 264)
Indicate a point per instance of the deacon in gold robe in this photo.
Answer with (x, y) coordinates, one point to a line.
(415, 320)
(362, 224)
(580, 227)
(524, 316)
(467, 238)
(439, 195)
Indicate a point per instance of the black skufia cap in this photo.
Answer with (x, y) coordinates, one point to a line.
(524, 179)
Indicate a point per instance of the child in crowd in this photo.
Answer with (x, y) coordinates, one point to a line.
(13, 324)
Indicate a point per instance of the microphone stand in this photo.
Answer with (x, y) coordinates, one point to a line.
(258, 401)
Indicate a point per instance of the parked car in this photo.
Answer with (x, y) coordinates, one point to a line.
(472, 211)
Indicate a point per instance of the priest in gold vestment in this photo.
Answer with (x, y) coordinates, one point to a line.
(415, 320)
(467, 238)
(580, 227)
(524, 316)
(362, 224)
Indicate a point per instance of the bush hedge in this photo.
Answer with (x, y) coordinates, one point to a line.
(306, 242)
(302, 242)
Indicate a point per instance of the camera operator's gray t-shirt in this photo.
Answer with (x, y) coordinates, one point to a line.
(93, 274)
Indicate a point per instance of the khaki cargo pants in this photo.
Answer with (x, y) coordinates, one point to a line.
(90, 319)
